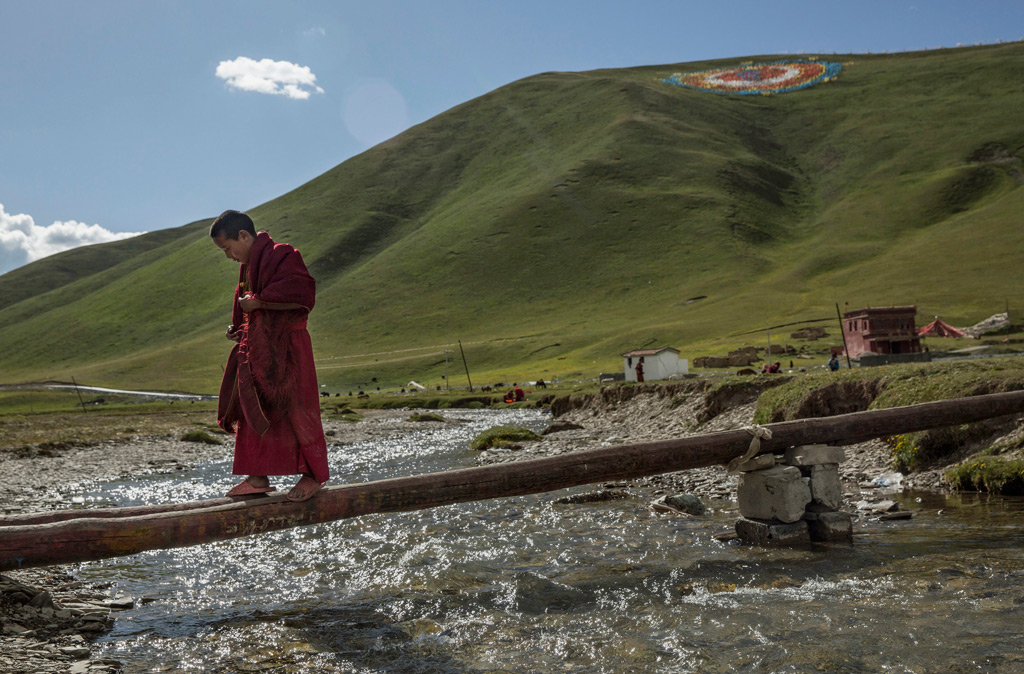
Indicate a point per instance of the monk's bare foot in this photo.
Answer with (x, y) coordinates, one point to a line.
(254, 484)
(304, 489)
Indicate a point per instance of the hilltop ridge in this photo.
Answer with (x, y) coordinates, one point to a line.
(564, 218)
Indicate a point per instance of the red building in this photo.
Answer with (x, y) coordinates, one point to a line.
(882, 331)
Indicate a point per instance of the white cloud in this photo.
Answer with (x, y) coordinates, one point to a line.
(23, 241)
(269, 77)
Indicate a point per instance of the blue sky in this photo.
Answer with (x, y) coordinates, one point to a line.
(125, 116)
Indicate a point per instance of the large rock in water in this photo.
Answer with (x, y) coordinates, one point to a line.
(687, 503)
(777, 493)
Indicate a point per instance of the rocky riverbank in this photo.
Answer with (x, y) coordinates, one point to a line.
(631, 414)
(49, 619)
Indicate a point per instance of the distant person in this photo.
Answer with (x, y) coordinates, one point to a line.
(775, 367)
(833, 363)
(518, 392)
(268, 397)
(640, 369)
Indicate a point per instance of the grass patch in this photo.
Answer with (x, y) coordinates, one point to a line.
(426, 417)
(825, 393)
(988, 474)
(37, 417)
(503, 436)
(340, 412)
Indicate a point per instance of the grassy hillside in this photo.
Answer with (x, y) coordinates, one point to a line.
(567, 217)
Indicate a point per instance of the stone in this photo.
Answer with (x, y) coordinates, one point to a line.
(120, 603)
(878, 507)
(687, 503)
(826, 488)
(42, 600)
(75, 651)
(829, 526)
(561, 427)
(93, 627)
(759, 462)
(899, 515)
(760, 532)
(80, 667)
(810, 455)
(776, 493)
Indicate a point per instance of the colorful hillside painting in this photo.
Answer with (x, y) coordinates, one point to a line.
(777, 77)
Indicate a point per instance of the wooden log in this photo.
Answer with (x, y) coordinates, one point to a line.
(157, 527)
(116, 511)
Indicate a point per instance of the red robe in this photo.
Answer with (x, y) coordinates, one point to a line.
(269, 396)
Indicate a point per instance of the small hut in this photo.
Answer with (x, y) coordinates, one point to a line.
(653, 364)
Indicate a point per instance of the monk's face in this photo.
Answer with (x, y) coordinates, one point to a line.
(236, 249)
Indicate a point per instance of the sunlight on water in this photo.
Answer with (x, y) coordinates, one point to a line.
(526, 585)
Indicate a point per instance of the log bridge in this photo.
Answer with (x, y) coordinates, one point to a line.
(64, 536)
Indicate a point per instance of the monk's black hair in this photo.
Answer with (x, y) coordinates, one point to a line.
(229, 223)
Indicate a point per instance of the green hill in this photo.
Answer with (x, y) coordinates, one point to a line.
(562, 219)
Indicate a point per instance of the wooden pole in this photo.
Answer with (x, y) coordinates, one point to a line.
(842, 332)
(82, 535)
(466, 365)
(80, 401)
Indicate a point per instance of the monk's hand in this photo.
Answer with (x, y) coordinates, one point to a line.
(233, 334)
(249, 304)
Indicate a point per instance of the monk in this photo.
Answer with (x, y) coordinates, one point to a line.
(269, 397)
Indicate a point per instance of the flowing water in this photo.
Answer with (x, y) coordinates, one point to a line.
(527, 585)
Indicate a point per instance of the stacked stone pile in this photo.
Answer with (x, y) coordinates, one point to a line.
(793, 498)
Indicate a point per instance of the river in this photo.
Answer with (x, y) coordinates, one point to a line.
(528, 585)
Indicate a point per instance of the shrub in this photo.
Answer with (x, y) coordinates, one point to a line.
(503, 436)
(905, 454)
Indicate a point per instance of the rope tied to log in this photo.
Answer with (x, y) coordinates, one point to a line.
(759, 433)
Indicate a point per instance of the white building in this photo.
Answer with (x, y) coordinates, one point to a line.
(655, 364)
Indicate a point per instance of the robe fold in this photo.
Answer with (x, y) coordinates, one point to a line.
(269, 396)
